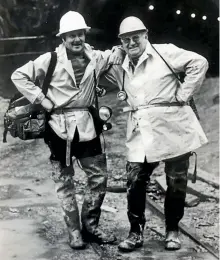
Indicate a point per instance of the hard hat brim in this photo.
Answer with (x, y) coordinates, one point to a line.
(60, 33)
(133, 31)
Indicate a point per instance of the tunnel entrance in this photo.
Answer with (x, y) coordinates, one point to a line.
(193, 25)
(168, 22)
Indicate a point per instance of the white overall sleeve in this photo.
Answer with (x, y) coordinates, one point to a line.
(24, 78)
(192, 64)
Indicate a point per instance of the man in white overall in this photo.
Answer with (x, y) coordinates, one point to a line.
(70, 94)
(161, 125)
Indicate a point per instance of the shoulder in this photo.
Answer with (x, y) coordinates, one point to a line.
(43, 59)
(166, 48)
(172, 52)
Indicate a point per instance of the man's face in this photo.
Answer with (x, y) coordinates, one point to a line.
(134, 44)
(75, 41)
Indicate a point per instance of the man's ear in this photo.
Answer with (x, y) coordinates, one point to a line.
(146, 35)
(63, 36)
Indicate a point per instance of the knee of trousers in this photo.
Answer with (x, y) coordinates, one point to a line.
(135, 174)
(176, 174)
(98, 181)
(96, 170)
(58, 171)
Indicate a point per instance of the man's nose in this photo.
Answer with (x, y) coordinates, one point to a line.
(76, 39)
(132, 42)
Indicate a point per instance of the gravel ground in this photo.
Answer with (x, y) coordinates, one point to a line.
(31, 222)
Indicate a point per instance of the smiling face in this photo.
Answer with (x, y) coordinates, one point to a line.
(75, 41)
(134, 43)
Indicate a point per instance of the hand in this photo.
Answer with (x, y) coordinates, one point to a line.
(47, 104)
(117, 56)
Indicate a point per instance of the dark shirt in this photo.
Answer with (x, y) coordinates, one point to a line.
(79, 64)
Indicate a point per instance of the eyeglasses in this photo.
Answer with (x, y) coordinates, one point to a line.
(135, 38)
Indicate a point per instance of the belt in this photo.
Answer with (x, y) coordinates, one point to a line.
(59, 111)
(69, 109)
(162, 104)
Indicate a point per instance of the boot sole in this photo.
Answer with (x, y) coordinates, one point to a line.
(172, 248)
(98, 241)
(78, 247)
(177, 246)
(130, 250)
(88, 238)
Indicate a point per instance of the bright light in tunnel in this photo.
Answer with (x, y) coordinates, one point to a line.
(193, 15)
(178, 12)
(218, 19)
(151, 7)
(204, 17)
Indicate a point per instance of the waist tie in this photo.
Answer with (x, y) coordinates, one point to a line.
(162, 104)
(59, 111)
(63, 111)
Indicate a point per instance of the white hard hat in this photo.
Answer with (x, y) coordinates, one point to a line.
(131, 24)
(72, 21)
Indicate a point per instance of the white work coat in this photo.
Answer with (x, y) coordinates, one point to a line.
(63, 91)
(159, 132)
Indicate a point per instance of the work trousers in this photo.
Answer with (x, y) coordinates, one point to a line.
(93, 163)
(138, 176)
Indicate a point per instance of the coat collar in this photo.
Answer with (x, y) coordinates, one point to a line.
(147, 52)
(62, 57)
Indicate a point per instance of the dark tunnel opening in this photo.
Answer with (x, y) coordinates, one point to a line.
(31, 17)
(164, 24)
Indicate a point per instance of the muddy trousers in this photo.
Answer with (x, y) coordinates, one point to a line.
(138, 176)
(93, 163)
(95, 169)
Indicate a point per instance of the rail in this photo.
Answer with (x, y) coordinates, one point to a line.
(21, 53)
(22, 38)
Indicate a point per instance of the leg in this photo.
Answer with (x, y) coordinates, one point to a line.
(64, 185)
(93, 163)
(176, 176)
(138, 175)
(96, 171)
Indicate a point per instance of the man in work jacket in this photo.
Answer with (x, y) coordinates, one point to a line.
(70, 94)
(160, 127)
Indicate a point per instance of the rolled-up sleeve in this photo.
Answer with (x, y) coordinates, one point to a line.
(25, 77)
(193, 65)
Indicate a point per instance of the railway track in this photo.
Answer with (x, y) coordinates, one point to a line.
(30, 214)
(193, 246)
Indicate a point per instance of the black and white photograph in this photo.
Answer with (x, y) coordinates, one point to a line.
(109, 125)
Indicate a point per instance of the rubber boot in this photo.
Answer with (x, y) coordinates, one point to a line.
(64, 185)
(172, 241)
(176, 176)
(134, 240)
(138, 177)
(96, 171)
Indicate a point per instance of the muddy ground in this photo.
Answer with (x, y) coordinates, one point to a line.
(31, 222)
